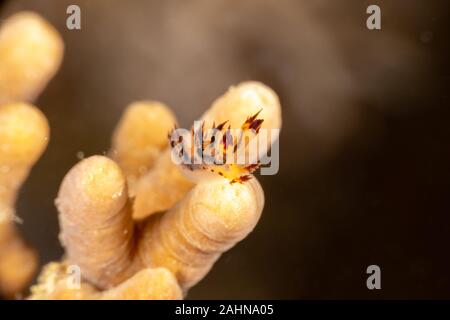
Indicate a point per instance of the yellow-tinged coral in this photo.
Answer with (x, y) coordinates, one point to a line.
(30, 54)
(116, 238)
(135, 146)
(57, 283)
(108, 206)
(23, 137)
(211, 219)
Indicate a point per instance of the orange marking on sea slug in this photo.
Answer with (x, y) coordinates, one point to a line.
(228, 145)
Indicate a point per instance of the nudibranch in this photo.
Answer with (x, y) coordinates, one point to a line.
(218, 151)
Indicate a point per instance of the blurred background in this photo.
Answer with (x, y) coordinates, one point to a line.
(365, 146)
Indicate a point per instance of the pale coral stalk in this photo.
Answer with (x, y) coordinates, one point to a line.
(212, 218)
(140, 137)
(31, 52)
(96, 224)
(57, 283)
(24, 135)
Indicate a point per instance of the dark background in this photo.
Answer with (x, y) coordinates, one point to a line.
(365, 146)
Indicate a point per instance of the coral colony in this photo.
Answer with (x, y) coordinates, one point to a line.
(134, 223)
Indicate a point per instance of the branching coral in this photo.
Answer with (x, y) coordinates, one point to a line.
(122, 241)
(30, 54)
(131, 223)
